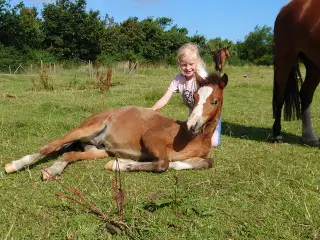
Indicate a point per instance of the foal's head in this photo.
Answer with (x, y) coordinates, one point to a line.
(207, 101)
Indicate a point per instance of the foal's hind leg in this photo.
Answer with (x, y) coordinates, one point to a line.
(192, 163)
(85, 131)
(306, 94)
(17, 165)
(58, 166)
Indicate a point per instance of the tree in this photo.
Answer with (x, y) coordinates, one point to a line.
(71, 32)
(19, 26)
(257, 47)
(153, 40)
(217, 43)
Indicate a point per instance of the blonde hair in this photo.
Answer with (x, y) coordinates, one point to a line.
(191, 50)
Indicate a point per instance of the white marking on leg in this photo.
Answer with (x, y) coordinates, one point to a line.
(180, 165)
(25, 161)
(123, 164)
(308, 134)
(279, 137)
(195, 118)
(57, 168)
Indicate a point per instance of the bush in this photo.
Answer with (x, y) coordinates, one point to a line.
(236, 61)
(9, 57)
(265, 60)
(12, 58)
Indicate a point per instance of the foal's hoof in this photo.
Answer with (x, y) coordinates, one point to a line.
(46, 175)
(10, 168)
(109, 166)
(311, 142)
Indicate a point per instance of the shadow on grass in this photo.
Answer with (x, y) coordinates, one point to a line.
(74, 146)
(260, 134)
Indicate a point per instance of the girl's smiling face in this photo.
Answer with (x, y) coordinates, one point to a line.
(188, 67)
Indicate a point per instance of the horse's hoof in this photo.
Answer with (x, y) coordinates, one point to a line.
(109, 165)
(46, 175)
(277, 139)
(311, 142)
(10, 168)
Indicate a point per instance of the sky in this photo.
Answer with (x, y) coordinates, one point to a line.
(227, 19)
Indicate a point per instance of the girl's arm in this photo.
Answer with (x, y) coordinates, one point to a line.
(162, 101)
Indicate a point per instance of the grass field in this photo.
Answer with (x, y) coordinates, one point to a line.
(256, 190)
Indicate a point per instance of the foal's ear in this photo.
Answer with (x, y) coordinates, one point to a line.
(223, 81)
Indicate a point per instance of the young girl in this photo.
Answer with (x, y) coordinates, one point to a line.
(190, 63)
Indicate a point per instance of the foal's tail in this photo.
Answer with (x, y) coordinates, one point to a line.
(292, 105)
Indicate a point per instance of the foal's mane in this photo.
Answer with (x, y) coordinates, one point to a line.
(212, 78)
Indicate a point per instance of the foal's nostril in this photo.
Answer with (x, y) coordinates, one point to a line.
(192, 128)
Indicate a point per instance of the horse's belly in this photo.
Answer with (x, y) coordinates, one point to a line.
(123, 137)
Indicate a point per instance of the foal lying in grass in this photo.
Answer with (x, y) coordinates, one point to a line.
(141, 139)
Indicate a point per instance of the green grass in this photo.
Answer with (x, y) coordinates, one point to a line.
(256, 190)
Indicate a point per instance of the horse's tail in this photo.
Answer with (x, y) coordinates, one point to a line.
(292, 105)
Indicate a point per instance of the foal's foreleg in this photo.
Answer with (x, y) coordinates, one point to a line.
(192, 163)
(66, 158)
(127, 165)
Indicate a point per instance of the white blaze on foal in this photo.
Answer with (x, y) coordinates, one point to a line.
(195, 119)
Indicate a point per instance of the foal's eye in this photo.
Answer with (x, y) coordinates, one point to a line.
(214, 102)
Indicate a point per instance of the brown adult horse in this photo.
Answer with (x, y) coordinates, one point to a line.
(220, 57)
(144, 139)
(296, 36)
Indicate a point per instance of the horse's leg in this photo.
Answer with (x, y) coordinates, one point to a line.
(18, 164)
(56, 169)
(192, 163)
(130, 165)
(124, 165)
(84, 131)
(157, 166)
(156, 147)
(306, 94)
(284, 62)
